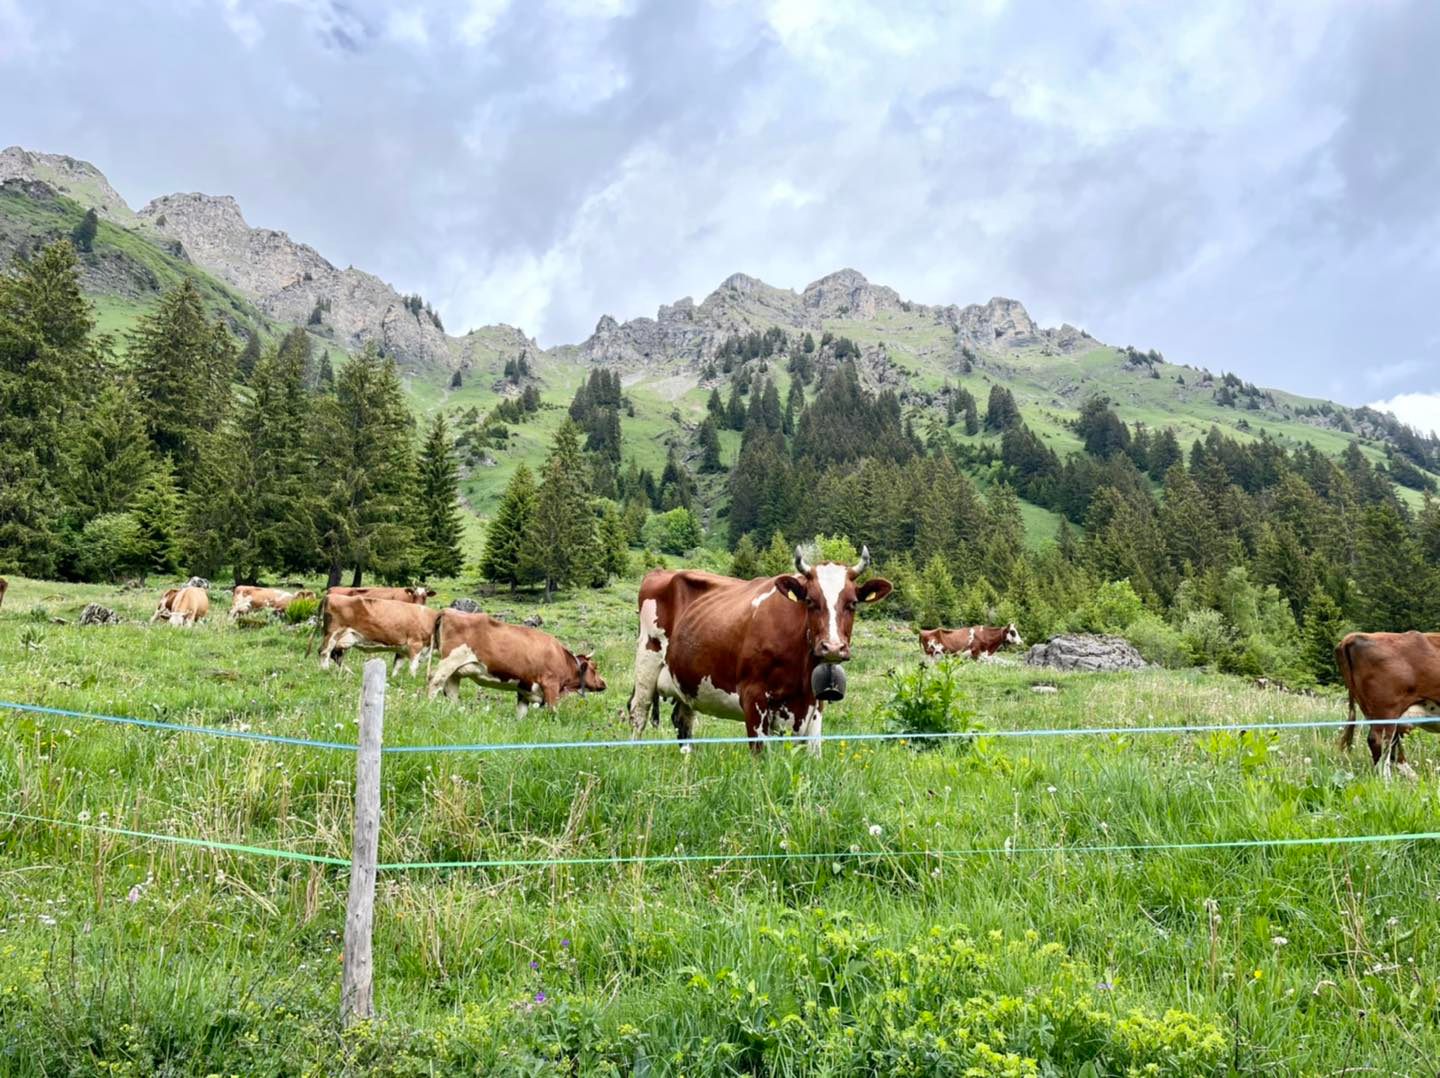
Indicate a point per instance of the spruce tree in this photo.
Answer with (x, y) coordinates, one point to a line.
(107, 455)
(735, 410)
(715, 407)
(614, 543)
(562, 530)
(183, 364)
(745, 562)
(83, 234)
(710, 447)
(779, 557)
(1322, 629)
(972, 414)
(439, 524)
(157, 509)
(503, 562)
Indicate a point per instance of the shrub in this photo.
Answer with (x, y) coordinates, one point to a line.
(110, 546)
(928, 699)
(1205, 636)
(674, 532)
(1158, 642)
(1113, 608)
(301, 610)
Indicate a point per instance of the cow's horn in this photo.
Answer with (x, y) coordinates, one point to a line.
(801, 565)
(864, 561)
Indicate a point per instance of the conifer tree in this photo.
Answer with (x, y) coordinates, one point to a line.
(779, 557)
(107, 456)
(83, 234)
(249, 356)
(157, 508)
(710, 447)
(614, 543)
(562, 529)
(715, 407)
(735, 410)
(972, 414)
(439, 526)
(1322, 629)
(745, 563)
(503, 561)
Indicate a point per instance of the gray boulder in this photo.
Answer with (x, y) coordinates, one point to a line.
(534, 621)
(197, 582)
(1082, 651)
(466, 606)
(95, 614)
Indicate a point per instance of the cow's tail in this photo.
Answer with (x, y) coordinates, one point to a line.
(434, 646)
(1347, 673)
(322, 626)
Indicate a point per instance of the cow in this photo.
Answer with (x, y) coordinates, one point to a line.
(763, 651)
(4, 584)
(974, 640)
(515, 658)
(247, 598)
(1390, 676)
(370, 624)
(400, 595)
(182, 606)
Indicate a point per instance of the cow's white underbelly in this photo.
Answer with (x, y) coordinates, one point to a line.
(708, 699)
(1423, 710)
(351, 638)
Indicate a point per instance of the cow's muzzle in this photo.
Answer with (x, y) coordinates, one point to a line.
(827, 681)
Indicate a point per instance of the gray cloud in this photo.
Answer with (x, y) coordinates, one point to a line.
(1246, 189)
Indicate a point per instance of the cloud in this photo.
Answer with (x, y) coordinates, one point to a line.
(1419, 410)
(1255, 190)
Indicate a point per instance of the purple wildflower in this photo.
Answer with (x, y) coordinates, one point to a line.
(534, 964)
(565, 943)
(540, 996)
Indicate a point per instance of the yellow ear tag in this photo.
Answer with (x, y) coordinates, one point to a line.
(872, 597)
(789, 595)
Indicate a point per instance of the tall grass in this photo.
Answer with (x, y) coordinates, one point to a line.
(125, 956)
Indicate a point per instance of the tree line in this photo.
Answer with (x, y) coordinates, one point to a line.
(184, 451)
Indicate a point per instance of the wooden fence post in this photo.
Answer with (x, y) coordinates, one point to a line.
(357, 982)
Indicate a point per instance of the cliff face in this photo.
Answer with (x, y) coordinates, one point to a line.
(71, 177)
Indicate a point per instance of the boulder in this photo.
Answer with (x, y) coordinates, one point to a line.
(95, 614)
(534, 621)
(1085, 652)
(466, 606)
(197, 582)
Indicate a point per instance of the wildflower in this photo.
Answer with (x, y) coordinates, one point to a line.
(876, 830)
(1258, 974)
(685, 750)
(540, 996)
(854, 849)
(935, 873)
(84, 817)
(534, 964)
(1105, 986)
(565, 943)
(134, 895)
(46, 919)
(1049, 789)
(1279, 941)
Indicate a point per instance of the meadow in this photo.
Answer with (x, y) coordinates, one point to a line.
(882, 908)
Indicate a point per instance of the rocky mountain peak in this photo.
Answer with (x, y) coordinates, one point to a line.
(71, 177)
(847, 294)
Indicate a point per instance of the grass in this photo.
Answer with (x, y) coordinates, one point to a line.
(229, 963)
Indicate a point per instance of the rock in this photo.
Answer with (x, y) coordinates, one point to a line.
(95, 614)
(197, 582)
(1085, 652)
(534, 621)
(1045, 689)
(466, 606)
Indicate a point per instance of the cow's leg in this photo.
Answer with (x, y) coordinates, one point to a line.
(649, 658)
(752, 702)
(683, 716)
(522, 705)
(811, 727)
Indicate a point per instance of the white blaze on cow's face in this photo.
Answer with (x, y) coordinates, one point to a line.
(829, 595)
(1012, 636)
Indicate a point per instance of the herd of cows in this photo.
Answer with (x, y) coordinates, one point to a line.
(768, 652)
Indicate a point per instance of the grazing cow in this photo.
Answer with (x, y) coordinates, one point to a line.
(974, 640)
(399, 595)
(247, 598)
(1390, 676)
(533, 665)
(359, 621)
(763, 651)
(3, 585)
(182, 606)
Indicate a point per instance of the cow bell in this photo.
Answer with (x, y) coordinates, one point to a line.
(827, 681)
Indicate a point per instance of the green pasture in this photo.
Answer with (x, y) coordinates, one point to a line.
(858, 945)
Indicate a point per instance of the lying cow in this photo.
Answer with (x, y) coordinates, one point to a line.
(182, 606)
(247, 598)
(369, 624)
(1390, 676)
(533, 665)
(974, 640)
(765, 651)
(399, 595)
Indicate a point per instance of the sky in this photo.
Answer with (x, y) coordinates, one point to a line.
(1247, 187)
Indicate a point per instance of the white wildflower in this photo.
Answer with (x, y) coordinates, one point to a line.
(1279, 941)
(876, 830)
(84, 817)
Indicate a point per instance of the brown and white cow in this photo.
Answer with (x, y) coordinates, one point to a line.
(764, 651)
(400, 595)
(247, 598)
(533, 665)
(182, 606)
(369, 624)
(973, 640)
(1390, 676)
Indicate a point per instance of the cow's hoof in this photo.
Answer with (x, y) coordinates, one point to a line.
(828, 681)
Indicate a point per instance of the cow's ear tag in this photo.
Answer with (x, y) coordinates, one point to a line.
(873, 597)
(789, 595)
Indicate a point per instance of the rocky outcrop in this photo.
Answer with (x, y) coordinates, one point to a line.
(465, 606)
(847, 294)
(1085, 652)
(73, 178)
(95, 614)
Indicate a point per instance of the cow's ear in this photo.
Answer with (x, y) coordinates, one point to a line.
(792, 587)
(872, 591)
